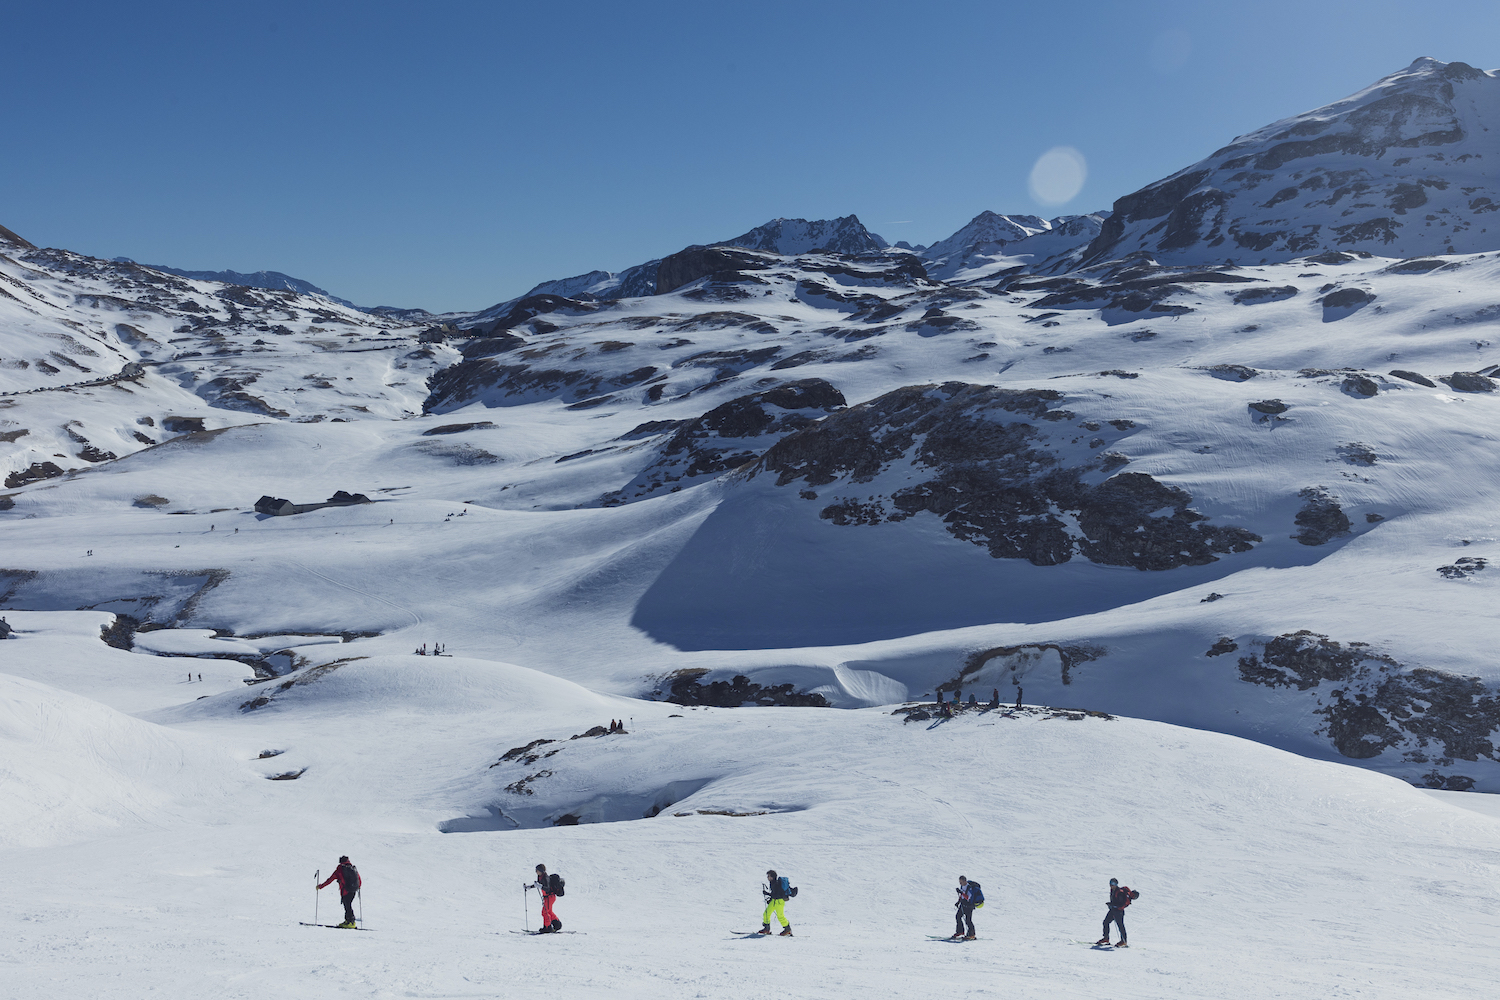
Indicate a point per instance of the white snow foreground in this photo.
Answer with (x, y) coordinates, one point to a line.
(1261, 873)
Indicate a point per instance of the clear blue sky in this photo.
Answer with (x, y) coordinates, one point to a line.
(451, 155)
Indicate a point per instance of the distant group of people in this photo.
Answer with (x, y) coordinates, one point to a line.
(616, 726)
(945, 708)
(437, 649)
(190, 677)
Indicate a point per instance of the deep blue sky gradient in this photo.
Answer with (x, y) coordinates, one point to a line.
(451, 155)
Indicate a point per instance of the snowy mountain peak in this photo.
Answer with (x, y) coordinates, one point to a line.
(1398, 169)
(988, 227)
(793, 236)
(270, 280)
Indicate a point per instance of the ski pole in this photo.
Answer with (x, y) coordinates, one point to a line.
(526, 896)
(315, 894)
(360, 895)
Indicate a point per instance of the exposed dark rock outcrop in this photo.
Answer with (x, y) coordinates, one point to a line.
(35, 473)
(980, 464)
(730, 435)
(1370, 703)
(1415, 377)
(686, 687)
(1321, 519)
(1470, 382)
(686, 266)
(1463, 568)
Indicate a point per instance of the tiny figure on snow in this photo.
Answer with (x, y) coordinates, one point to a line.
(200, 677)
(972, 702)
(995, 699)
(549, 887)
(1120, 896)
(1018, 695)
(945, 709)
(349, 883)
(777, 890)
(970, 897)
(5, 629)
(190, 677)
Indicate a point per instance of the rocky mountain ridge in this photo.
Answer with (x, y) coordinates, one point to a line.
(1404, 168)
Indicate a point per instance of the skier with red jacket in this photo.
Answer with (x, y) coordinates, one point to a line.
(349, 883)
(1120, 896)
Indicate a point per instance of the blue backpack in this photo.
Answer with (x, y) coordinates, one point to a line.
(976, 894)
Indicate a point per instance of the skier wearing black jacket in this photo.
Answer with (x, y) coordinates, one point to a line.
(1120, 896)
(777, 891)
(968, 898)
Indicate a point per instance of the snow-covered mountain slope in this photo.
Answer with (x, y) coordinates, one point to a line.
(872, 815)
(103, 358)
(1406, 167)
(1073, 463)
(272, 280)
(992, 245)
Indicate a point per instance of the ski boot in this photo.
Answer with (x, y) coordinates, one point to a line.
(1122, 944)
(970, 937)
(764, 929)
(1104, 940)
(786, 931)
(347, 924)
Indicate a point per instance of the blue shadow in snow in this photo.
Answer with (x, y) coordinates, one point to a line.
(762, 572)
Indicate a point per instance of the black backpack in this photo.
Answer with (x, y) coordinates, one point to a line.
(555, 884)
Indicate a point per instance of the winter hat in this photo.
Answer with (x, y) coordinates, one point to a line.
(541, 868)
(1114, 881)
(343, 859)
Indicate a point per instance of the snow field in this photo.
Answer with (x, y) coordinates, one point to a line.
(1262, 873)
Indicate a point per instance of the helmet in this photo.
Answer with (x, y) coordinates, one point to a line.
(1114, 881)
(541, 868)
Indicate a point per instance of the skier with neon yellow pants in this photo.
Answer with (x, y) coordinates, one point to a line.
(776, 891)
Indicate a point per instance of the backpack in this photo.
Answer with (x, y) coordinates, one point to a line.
(555, 884)
(350, 882)
(787, 889)
(976, 894)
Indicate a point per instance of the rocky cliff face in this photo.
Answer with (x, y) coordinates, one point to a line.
(989, 463)
(1403, 168)
(793, 236)
(727, 436)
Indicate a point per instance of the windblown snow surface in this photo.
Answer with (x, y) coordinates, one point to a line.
(1226, 530)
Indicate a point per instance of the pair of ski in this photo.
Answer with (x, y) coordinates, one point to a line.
(1101, 945)
(336, 927)
(756, 934)
(542, 933)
